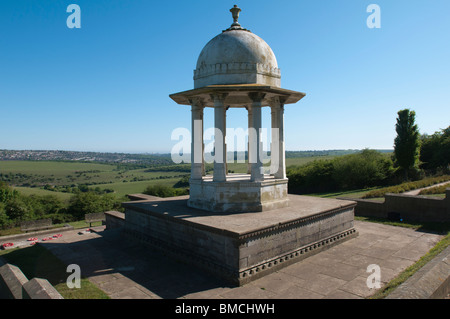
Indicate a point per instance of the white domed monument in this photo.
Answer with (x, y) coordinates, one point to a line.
(238, 69)
(239, 227)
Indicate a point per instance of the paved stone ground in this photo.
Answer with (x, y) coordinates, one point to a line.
(124, 269)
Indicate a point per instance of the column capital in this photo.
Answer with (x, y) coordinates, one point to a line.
(218, 97)
(197, 104)
(256, 97)
(278, 101)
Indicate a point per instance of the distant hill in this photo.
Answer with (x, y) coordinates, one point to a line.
(126, 158)
(118, 158)
(293, 154)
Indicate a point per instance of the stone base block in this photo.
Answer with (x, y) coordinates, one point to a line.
(238, 194)
(241, 247)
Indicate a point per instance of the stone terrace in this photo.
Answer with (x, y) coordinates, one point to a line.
(124, 269)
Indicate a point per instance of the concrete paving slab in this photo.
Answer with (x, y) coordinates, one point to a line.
(298, 292)
(248, 291)
(341, 294)
(278, 282)
(323, 284)
(358, 287)
(343, 271)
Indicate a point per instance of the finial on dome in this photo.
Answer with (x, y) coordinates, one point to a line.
(235, 13)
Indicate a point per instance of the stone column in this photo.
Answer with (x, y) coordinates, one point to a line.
(275, 137)
(197, 157)
(278, 160)
(250, 124)
(220, 174)
(255, 149)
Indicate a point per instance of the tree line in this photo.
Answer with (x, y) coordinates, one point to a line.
(16, 207)
(415, 156)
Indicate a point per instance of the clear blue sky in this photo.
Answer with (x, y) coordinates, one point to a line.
(106, 86)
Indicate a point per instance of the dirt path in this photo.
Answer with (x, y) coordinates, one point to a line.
(417, 191)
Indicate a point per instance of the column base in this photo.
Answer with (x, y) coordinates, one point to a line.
(238, 194)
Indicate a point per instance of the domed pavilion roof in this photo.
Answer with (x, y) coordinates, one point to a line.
(236, 56)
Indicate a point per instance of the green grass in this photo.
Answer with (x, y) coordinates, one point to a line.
(358, 193)
(41, 173)
(40, 192)
(50, 167)
(123, 189)
(37, 261)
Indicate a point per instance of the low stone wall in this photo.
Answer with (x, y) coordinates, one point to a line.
(430, 282)
(114, 219)
(15, 285)
(406, 207)
(134, 197)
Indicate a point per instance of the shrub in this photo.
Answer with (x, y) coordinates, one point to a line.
(405, 187)
(312, 177)
(435, 190)
(4, 219)
(164, 191)
(183, 182)
(435, 151)
(90, 202)
(365, 169)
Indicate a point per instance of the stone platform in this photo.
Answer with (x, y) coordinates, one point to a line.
(241, 247)
(238, 194)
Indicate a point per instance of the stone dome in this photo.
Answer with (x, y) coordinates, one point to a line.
(236, 56)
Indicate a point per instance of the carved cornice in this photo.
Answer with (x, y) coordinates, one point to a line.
(236, 68)
(293, 224)
(298, 254)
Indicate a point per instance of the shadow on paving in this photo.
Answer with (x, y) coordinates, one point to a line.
(109, 258)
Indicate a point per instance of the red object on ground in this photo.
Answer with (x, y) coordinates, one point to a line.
(7, 245)
(32, 239)
(47, 238)
(57, 235)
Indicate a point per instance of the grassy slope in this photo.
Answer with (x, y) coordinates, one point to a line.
(40, 192)
(36, 261)
(73, 173)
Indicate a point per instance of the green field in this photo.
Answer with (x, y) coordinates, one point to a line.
(42, 192)
(30, 177)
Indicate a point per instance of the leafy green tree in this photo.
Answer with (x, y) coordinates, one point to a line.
(4, 220)
(6, 192)
(316, 176)
(435, 151)
(45, 205)
(18, 209)
(407, 142)
(366, 169)
(164, 191)
(90, 202)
